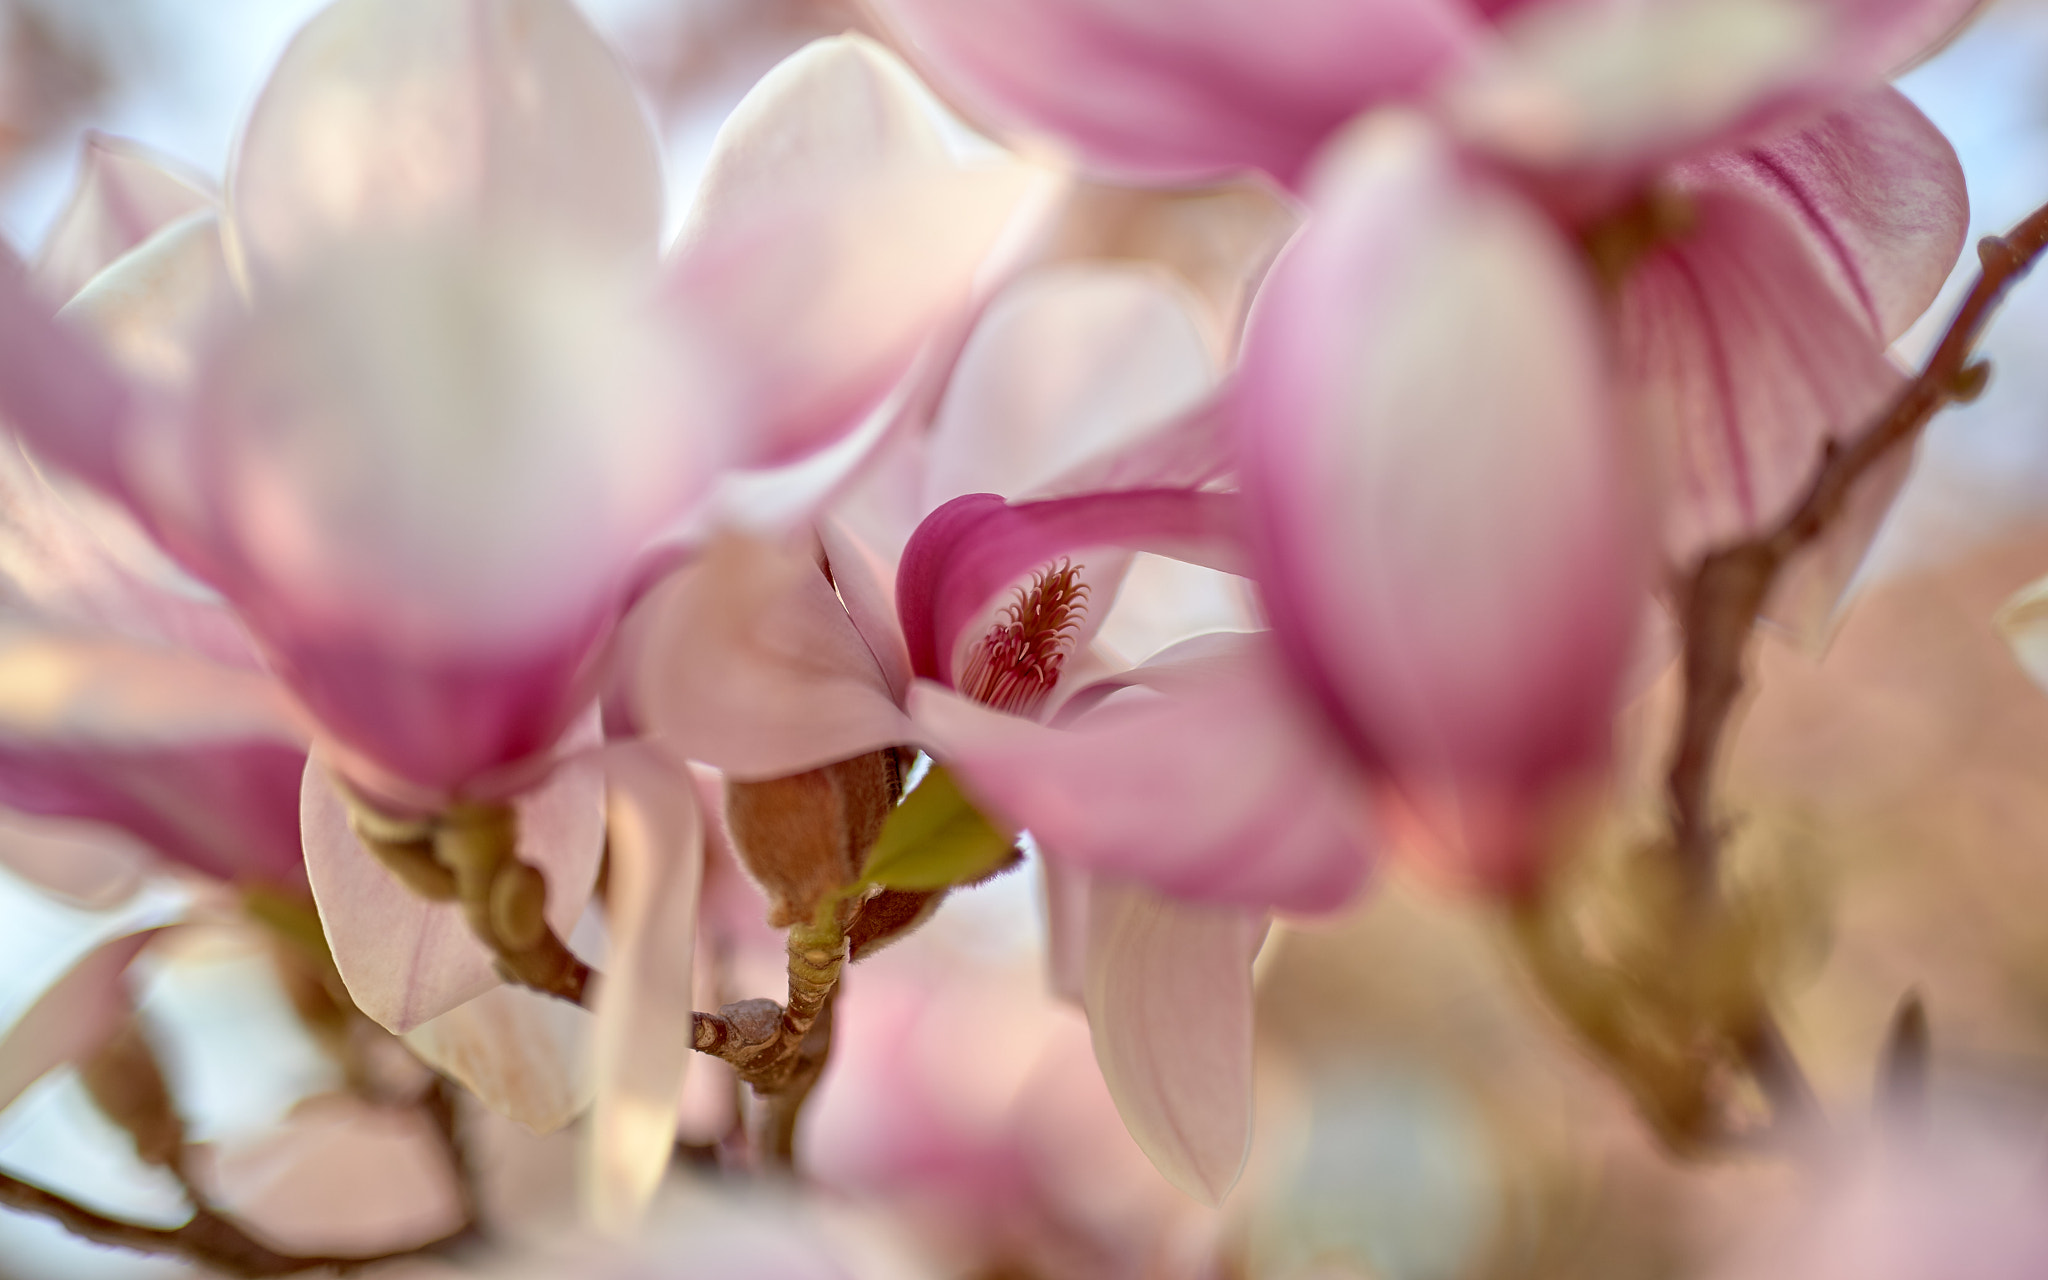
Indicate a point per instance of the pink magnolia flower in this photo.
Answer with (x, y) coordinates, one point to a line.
(418, 403)
(1770, 219)
(1154, 90)
(1189, 773)
(1448, 544)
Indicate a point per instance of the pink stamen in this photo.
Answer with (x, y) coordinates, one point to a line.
(1018, 662)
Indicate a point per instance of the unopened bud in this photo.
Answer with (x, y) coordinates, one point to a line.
(805, 838)
(519, 897)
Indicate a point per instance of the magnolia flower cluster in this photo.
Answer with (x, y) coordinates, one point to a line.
(404, 486)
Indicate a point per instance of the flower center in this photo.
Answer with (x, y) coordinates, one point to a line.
(1017, 663)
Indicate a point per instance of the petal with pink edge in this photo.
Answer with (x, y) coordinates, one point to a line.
(1169, 1000)
(71, 859)
(645, 1031)
(1744, 360)
(1166, 91)
(406, 960)
(396, 117)
(1195, 773)
(1447, 545)
(1875, 194)
(524, 1055)
(973, 548)
(1068, 365)
(125, 193)
(71, 1019)
(750, 663)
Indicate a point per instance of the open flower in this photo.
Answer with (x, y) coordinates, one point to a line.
(419, 402)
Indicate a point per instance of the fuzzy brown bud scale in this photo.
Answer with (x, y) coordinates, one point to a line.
(805, 838)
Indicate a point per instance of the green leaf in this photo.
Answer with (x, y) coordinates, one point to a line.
(934, 839)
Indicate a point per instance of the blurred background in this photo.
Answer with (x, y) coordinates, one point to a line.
(1421, 1118)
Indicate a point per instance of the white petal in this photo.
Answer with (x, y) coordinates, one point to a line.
(524, 1055)
(644, 1006)
(398, 116)
(1169, 999)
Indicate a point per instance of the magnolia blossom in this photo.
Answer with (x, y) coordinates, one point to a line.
(970, 633)
(419, 402)
(1765, 219)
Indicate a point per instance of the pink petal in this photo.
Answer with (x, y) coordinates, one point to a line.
(56, 390)
(644, 1028)
(823, 119)
(836, 236)
(522, 1054)
(125, 193)
(868, 590)
(750, 663)
(1448, 554)
(1169, 999)
(1875, 194)
(75, 860)
(1068, 891)
(1070, 364)
(438, 615)
(402, 116)
(1166, 91)
(79, 1012)
(1582, 85)
(1744, 359)
(406, 960)
(973, 548)
(1194, 774)
(342, 1176)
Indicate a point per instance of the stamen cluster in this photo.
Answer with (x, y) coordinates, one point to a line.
(1017, 663)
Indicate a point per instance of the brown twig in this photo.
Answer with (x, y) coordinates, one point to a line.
(1721, 600)
(208, 1239)
(1719, 603)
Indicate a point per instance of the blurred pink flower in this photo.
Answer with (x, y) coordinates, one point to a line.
(418, 402)
(1448, 545)
(1150, 89)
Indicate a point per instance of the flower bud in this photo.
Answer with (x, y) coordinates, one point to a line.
(805, 837)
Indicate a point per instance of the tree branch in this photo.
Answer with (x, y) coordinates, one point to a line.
(1721, 600)
(208, 1239)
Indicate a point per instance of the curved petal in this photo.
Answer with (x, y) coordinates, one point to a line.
(834, 235)
(1169, 1000)
(645, 1033)
(125, 193)
(1171, 91)
(1744, 360)
(71, 1019)
(824, 119)
(750, 663)
(524, 1055)
(1067, 365)
(1578, 85)
(57, 390)
(975, 546)
(1447, 547)
(401, 116)
(406, 960)
(75, 860)
(341, 1175)
(1875, 194)
(1194, 774)
(868, 591)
